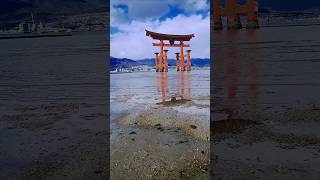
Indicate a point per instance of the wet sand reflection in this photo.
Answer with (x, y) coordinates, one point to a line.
(252, 70)
(181, 86)
(264, 86)
(162, 85)
(235, 73)
(232, 70)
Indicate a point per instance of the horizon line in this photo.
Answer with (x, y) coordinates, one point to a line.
(154, 58)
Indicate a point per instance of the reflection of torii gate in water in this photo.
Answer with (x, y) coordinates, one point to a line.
(161, 62)
(183, 85)
(236, 85)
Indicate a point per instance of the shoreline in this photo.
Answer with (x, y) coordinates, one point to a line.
(34, 35)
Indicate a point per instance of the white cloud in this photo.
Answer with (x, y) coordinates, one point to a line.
(132, 42)
(139, 9)
(118, 16)
(192, 6)
(150, 9)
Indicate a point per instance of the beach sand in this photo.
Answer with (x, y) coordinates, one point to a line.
(53, 141)
(282, 144)
(54, 107)
(163, 141)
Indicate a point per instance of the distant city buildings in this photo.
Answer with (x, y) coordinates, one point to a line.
(80, 22)
(30, 27)
(132, 69)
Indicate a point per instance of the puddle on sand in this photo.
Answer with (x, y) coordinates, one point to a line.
(173, 102)
(231, 125)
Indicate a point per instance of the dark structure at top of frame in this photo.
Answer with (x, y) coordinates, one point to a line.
(233, 10)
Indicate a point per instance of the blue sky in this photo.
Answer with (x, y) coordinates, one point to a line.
(129, 19)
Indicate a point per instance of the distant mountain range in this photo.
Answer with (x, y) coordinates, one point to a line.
(289, 5)
(19, 9)
(286, 5)
(127, 63)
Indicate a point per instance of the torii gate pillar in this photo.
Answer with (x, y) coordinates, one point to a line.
(182, 66)
(233, 15)
(217, 15)
(165, 60)
(157, 62)
(189, 61)
(252, 9)
(177, 61)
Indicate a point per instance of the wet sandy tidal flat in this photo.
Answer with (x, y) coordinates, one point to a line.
(155, 137)
(266, 103)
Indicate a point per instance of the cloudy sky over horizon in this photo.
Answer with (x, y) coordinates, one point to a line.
(130, 18)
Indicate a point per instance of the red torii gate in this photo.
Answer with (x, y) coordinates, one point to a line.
(161, 62)
(232, 11)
